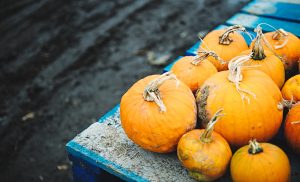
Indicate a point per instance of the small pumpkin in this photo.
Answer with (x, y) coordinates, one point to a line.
(204, 153)
(292, 128)
(291, 89)
(225, 43)
(156, 111)
(260, 162)
(265, 60)
(286, 45)
(193, 71)
(251, 100)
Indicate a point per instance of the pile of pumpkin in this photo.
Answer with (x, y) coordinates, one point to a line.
(234, 93)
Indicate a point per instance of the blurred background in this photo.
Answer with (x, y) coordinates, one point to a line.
(63, 64)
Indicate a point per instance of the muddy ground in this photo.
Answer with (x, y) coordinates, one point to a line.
(63, 64)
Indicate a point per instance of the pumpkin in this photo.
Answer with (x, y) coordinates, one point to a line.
(204, 153)
(291, 89)
(260, 162)
(251, 100)
(193, 71)
(286, 45)
(156, 111)
(265, 60)
(225, 43)
(292, 128)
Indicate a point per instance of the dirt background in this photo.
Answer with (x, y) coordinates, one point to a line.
(63, 64)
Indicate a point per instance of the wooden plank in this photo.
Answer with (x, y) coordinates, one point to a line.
(77, 150)
(126, 160)
(192, 51)
(122, 157)
(280, 10)
(251, 21)
(285, 1)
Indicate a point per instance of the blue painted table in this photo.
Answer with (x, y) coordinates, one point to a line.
(104, 145)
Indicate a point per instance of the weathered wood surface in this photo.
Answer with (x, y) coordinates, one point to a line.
(280, 10)
(126, 160)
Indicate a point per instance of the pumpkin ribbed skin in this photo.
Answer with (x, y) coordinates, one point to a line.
(205, 161)
(226, 52)
(290, 52)
(259, 118)
(193, 75)
(151, 128)
(270, 165)
(271, 65)
(292, 128)
(291, 89)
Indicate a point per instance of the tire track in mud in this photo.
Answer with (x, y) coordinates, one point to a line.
(41, 84)
(66, 99)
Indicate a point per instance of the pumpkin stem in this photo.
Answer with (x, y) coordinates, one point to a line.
(286, 103)
(257, 50)
(206, 135)
(254, 147)
(203, 54)
(282, 37)
(235, 74)
(151, 92)
(225, 39)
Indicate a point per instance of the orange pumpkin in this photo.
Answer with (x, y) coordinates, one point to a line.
(286, 45)
(193, 71)
(265, 61)
(262, 162)
(204, 153)
(292, 128)
(291, 89)
(156, 111)
(251, 100)
(225, 43)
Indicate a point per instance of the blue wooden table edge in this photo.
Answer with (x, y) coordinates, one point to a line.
(293, 15)
(86, 155)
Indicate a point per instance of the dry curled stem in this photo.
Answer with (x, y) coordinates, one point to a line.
(206, 135)
(235, 75)
(282, 37)
(225, 38)
(203, 54)
(257, 50)
(254, 147)
(286, 103)
(152, 93)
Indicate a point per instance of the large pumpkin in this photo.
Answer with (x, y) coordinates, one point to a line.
(292, 128)
(262, 162)
(156, 111)
(225, 43)
(286, 45)
(251, 103)
(193, 71)
(265, 60)
(291, 89)
(204, 153)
